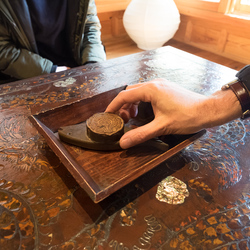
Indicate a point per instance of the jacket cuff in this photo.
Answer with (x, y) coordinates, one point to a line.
(244, 76)
(53, 69)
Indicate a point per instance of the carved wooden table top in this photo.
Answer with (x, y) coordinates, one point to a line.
(198, 199)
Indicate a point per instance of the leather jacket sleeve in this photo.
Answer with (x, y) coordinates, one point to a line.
(92, 48)
(244, 76)
(17, 61)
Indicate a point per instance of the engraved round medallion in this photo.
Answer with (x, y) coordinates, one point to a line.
(105, 127)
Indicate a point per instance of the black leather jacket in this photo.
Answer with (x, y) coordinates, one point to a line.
(18, 51)
(244, 76)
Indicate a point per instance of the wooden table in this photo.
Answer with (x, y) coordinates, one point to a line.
(43, 207)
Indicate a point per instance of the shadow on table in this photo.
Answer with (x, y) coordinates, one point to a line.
(125, 195)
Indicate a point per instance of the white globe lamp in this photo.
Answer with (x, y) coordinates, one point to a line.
(151, 23)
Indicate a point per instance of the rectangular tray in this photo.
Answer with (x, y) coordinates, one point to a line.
(101, 173)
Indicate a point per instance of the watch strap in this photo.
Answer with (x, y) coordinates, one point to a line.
(242, 94)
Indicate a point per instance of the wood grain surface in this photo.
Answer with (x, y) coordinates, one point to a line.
(42, 206)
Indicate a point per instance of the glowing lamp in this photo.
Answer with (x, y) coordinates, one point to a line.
(151, 23)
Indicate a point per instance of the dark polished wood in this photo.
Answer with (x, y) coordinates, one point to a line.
(102, 172)
(42, 206)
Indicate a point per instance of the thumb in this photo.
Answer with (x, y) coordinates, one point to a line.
(139, 135)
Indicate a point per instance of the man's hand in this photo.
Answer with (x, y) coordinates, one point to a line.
(176, 109)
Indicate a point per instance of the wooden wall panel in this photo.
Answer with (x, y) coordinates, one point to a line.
(227, 40)
(112, 24)
(105, 19)
(111, 5)
(238, 47)
(205, 36)
(201, 26)
(197, 4)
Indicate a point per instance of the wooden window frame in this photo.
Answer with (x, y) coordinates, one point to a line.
(223, 6)
(239, 8)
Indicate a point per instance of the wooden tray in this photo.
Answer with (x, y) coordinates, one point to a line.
(101, 173)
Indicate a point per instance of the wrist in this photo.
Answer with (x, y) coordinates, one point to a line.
(221, 107)
(233, 101)
(242, 94)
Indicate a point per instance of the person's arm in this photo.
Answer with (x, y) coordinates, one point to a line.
(177, 110)
(92, 48)
(18, 62)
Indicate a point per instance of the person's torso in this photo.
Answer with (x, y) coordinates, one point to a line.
(48, 18)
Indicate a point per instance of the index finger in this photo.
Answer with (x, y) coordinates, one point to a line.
(133, 94)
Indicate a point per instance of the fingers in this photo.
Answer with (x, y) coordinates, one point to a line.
(140, 134)
(127, 114)
(132, 95)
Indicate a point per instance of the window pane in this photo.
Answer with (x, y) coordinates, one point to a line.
(245, 2)
(241, 8)
(214, 1)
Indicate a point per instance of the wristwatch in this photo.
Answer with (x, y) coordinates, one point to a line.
(241, 88)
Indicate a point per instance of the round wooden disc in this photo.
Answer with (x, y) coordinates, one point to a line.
(105, 127)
